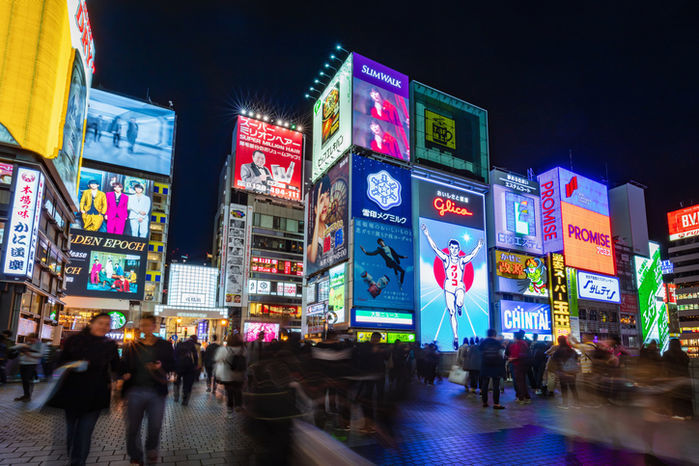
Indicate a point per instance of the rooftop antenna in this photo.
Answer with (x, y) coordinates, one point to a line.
(530, 174)
(570, 156)
(148, 95)
(606, 172)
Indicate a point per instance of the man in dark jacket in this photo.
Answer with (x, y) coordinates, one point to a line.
(390, 256)
(209, 364)
(187, 366)
(145, 364)
(518, 353)
(492, 368)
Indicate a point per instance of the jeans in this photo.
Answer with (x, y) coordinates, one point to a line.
(79, 427)
(520, 374)
(474, 378)
(485, 382)
(186, 380)
(143, 401)
(28, 373)
(210, 378)
(234, 394)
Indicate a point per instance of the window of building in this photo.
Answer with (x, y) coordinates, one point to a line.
(292, 225)
(582, 314)
(266, 221)
(156, 236)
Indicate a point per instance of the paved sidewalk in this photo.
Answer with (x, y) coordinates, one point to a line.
(442, 425)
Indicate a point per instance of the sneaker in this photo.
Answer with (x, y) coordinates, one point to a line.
(679, 418)
(562, 406)
(230, 414)
(152, 458)
(208, 389)
(538, 391)
(22, 398)
(527, 401)
(498, 407)
(520, 402)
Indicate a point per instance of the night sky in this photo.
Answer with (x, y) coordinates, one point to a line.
(615, 82)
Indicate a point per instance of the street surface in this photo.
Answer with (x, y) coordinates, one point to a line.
(441, 425)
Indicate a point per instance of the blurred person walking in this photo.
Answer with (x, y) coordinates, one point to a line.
(567, 366)
(538, 359)
(492, 368)
(462, 358)
(431, 355)
(230, 366)
(30, 354)
(675, 363)
(256, 348)
(518, 353)
(83, 395)
(5, 354)
(187, 366)
(208, 358)
(372, 365)
(144, 367)
(473, 366)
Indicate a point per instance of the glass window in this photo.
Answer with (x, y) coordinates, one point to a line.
(292, 225)
(26, 301)
(35, 307)
(266, 221)
(4, 196)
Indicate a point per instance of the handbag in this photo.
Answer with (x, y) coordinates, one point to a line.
(457, 375)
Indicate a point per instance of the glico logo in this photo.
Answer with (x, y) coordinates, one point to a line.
(448, 206)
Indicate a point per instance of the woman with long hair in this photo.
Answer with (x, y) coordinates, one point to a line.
(83, 395)
(320, 209)
(231, 363)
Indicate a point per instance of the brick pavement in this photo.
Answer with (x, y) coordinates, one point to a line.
(441, 425)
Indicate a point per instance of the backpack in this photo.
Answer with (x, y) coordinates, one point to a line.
(185, 357)
(491, 356)
(237, 363)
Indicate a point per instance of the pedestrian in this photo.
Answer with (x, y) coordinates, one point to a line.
(519, 357)
(187, 367)
(144, 368)
(431, 363)
(84, 395)
(230, 366)
(5, 354)
(473, 365)
(256, 348)
(676, 367)
(30, 353)
(538, 359)
(462, 358)
(372, 365)
(567, 366)
(209, 355)
(331, 366)
(492, 368)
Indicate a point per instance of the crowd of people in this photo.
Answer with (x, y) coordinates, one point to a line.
(271, 384)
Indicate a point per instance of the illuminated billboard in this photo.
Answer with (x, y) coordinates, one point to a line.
(380, 192)
(530, 317)
(104, 265)
(380, 103)
(683, 223)
(382, 319)
(653, 311)
(236, 255)
(114, 203)
(575, 217)
(558, 287)
(598, 287)
(332, 121)
(20, 236)
(336, 295)
(268, 159)
(520, 274)
(252, 329)
(516, 212)
(448, 133)
(129, 133)
(383, 265)
(327, 223)
(453, 272)
(192, 285)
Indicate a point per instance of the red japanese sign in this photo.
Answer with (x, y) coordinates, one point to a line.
(268, 159)
(683, 223)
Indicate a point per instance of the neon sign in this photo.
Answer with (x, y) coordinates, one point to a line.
(558, 284)
(448, 206)
(82, 20)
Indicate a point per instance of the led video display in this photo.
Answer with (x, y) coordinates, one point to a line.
(683, 223)
(654, 315)
(520, 274)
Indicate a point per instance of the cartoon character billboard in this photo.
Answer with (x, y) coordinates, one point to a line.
(453, 264)
(520, 274)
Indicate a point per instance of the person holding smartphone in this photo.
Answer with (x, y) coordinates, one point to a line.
(145, 364)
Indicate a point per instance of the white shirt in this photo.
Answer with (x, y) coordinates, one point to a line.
(138, 204)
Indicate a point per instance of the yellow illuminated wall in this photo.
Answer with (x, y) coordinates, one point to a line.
(35, 67)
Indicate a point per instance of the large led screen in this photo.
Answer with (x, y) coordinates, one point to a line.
(530, 317)
(103, 265)
(268, 159)
(192, 285)
(114, 203)
(516, 212)
(453, 264)
(380, 192)
(332, 121)
(520, 274)
(327, 219)
(587, 239)
(654, 314)
(336, 294)
(383, 265)
(252, 329)
(129, 133)
(380, 103)
(683, 223)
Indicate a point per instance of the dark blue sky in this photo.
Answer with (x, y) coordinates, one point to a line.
(615, 82)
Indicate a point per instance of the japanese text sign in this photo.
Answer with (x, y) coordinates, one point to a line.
(598, 287)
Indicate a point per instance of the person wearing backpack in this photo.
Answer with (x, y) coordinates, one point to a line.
(519, 356)
(230, 365)
(208, 358)
(538, 360)
(187, 367)
(492, 368)
(567, 366)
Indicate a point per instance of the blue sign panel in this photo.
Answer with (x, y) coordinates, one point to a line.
(583, 192)
(383, 265)
(530, 317)
(380, 192)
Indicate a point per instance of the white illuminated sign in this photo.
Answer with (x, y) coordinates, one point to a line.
(598, 287)
(192, 285)
(20, 244)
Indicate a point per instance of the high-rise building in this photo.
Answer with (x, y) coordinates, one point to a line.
(46, 65)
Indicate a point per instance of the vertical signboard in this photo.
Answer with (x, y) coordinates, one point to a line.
(653, 311)
(551, 211)
(559, 295)
(268, 159)
(453, 264)
(516, 212)
(21, 235)
(332, 121)
(380, 102)
(326, 240)
(336, 297)
(235, 255)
